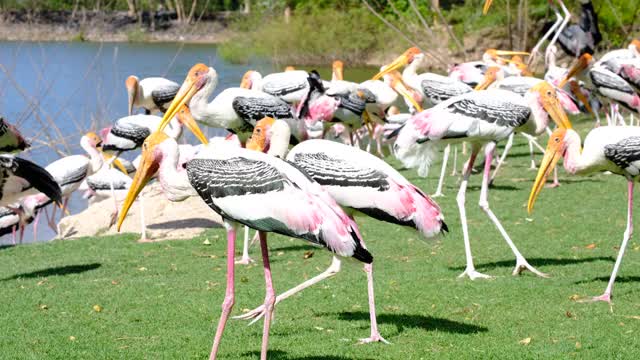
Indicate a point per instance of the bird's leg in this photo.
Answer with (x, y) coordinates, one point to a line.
(258, 312)
(470, 270)
(507, 147)
(536, 48)
(64, 207)
(52, 219)
(521, 262)
(627, 234)
(443, 170)
(245, 259)
(454, 171)
(22, 227)
(229, 297)
(13, 237)
(375, 334)
(35, 226)
(270, 296)
(532, 166)
(114, 216)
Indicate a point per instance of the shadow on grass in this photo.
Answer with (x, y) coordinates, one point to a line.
(8, 246)
(282, 355)
(621, 279)
(186, 223)
(55, 271)
(538, 262)
(428, 323)
(294, 248)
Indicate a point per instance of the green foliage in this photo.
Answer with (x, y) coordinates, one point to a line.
(136, 35)
(162, 300)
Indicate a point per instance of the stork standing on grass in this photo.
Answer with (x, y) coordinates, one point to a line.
(607, 148)
(251, 188)
(480, 118)
(358, 181)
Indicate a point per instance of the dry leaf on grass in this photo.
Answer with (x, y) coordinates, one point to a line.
(525, 341)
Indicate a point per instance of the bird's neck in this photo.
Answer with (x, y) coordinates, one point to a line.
(538, 114)
(174, 129)
(173, 178)
(573, 159)
(96, 159)
(279, 142)
(410, 73)
(201, 108)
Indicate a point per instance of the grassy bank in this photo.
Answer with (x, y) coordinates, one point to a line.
(162, 300)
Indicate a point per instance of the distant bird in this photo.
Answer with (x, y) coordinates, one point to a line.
(607, 148)
(152, 94)
(583, 37)
(30, 207)
(290, 86)
(10, 138)
(358, 181)
(234, 109)
(480, 118)
(261, 191)
(20, 178)
(70, 171)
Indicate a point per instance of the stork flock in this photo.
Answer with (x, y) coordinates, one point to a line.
(310, 191)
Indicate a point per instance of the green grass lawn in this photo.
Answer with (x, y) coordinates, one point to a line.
(162, 300)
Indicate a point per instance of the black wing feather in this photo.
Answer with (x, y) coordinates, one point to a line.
(165, 95)
(37, 176)
(335, 172)
(625, 153)
(505, 114)
(252, 109)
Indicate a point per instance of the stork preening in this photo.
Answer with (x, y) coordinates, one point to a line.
(255, 189)
(480, 118)
(359, 182)
(607, 148)
(152, 94)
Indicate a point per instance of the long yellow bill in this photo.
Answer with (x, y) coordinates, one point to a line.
(551, 157)
(148, 167)
(191, 85)
(552, 105)
(580, 64)
(575, 89)
(487, 5)
(399, 86)
(399, 62)
(490, 77)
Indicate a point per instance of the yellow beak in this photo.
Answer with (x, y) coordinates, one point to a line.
(396, 64)
(557, 113)
(192, 125)
(147, 169)
(489, 78)
(577, 68)
(551, 157)
(487, 5)
(402, 90)
(186, 92)
(117, 163)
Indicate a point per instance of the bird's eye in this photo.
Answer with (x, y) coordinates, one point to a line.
(549, 92)
(258, 131)
(557, 139)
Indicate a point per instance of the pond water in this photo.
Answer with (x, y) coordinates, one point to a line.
(56, 91)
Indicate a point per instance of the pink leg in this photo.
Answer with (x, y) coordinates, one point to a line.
(270, 296)
(627, 234)
(22, 226)
(375, 334)
(229, 297)
(13, 233)
(35, 226)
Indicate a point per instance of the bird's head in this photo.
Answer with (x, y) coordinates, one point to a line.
(270, 135)
(132, 90)
(490, 76)
(197, 78)
(289, 68)
(260, 138)
(548, 99)
(338, 68)
(555, 150)
(249, 79)
(185, 118)
(151, 157)
(92, 139)
(583, 62)
(406, 58)
(400, 87)
(635, 43)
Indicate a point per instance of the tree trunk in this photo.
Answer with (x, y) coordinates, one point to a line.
(287, 15)
(192, 12)
(247, 7)
(133, 11)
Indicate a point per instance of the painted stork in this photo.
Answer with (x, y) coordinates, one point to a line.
(583, 37)
(12, 219)
(255, 189)
(129, 132)
(358, 181)
(479, 117)
(11, 140)
(607, 148)
(234, 109)
(290, 86)
(608, 84)
(153, 94)
(70, 171)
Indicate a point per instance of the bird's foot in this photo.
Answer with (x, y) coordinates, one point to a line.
(114, 218)
(244, 261)
(522, 265)
(144, 239)
(253, 315)
(374, 338)
(533, 167)
(437, 194)
(552, 185)
(473, 274)
(606, 297)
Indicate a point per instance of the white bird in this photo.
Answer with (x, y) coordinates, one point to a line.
(290, 86)
(234, 109)
(153, 94)
(359, 182)
(20, 178)
(261, 191)
(607, 148)
(482, 117)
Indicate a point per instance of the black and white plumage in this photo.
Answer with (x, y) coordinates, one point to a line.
(128, 133)
(580, 38)
(290, 86)
(10, 138)
(20, 177)
(153, 94)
